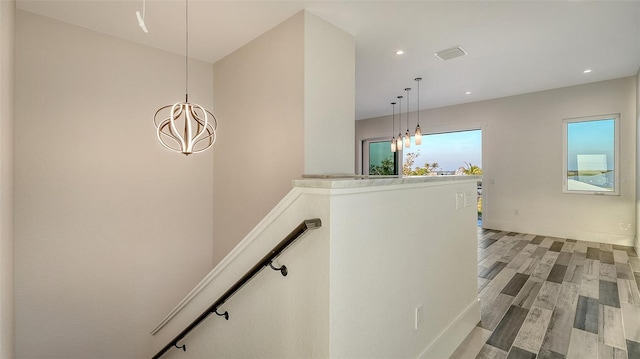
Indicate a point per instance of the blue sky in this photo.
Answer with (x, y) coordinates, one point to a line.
(590, 138)
(451, 150)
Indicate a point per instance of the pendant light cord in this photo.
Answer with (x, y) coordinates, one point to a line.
(407, 90)
(418, 79)
(186, 50)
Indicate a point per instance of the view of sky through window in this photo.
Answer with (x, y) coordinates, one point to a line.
(590, 138)
(450, 150)
(590, 161)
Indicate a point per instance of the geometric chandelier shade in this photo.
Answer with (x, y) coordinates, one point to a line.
(186, 128)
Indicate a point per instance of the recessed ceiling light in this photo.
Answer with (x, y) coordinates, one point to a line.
(468, 93)
(586, 71)
(399, 52)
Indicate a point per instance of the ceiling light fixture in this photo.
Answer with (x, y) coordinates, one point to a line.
(586, 71)
(399, 52)
(407, 135)
(141, 17)
(197, 125)
(399, 139)
(468, 93)
(393, 127)
(418, 133)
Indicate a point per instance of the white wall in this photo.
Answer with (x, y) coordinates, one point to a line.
(103, 247)
(285, 110)
(391, 253)
(7, 33)
(329, 102)
(522, 159)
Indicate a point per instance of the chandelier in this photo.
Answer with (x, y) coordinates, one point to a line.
(185, 127)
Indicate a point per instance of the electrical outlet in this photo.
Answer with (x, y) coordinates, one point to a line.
(459, 200)
(418, 319)
(469, 199)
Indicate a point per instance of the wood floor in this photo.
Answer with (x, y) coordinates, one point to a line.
(544, 297)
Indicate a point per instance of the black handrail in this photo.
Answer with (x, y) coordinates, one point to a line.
(264, 262)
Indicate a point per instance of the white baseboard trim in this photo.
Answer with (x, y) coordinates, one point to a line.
(571, 233)
(447, 342)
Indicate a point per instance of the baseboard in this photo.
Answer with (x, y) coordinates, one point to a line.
(447, 342)
(570, 233)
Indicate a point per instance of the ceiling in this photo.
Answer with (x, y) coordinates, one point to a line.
(513, 47)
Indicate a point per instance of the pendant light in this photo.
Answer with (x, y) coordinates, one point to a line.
(399, 139)
(418, 133)
(393, 127)
(186, 127)
(407, 136)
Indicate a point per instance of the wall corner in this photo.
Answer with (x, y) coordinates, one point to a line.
(7, 116)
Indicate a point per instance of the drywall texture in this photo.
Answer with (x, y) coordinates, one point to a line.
(271, 100)
(111, 229)
(329, 98)
(522, 159)
(7, 33)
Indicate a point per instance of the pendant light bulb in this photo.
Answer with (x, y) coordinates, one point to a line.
(418, 136)
(418, 133)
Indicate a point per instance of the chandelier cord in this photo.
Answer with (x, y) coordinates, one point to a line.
(186, 51)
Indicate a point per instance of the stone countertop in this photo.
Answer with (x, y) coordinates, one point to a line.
(370, 181)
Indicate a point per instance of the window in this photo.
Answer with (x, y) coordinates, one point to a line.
(591, 155)
(381, 161)
(448, 153)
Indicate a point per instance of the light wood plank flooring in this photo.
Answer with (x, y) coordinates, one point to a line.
(544, 297)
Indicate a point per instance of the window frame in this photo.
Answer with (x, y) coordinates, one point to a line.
(366, 158)
(616, 148)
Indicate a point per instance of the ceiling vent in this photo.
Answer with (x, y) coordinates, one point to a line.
(451, 53)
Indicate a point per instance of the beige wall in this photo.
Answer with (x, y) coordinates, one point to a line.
(7, 33)
(111, 229)
(259, 101)
(282, 114)
(271, 316)
(329, 101)
(522, 159)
